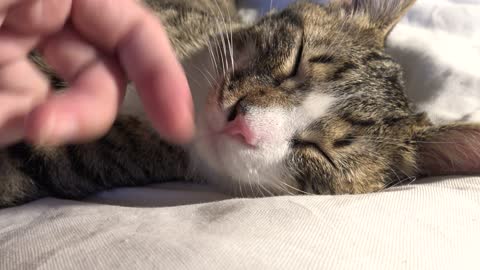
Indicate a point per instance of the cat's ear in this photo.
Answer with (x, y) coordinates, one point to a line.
(382, 14)
(448, 149)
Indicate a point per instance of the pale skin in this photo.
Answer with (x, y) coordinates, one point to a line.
(104, 44)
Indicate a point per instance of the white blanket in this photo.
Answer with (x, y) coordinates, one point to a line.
(438, 44)
(430, 224)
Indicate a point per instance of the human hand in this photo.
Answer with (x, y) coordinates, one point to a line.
(95, 46)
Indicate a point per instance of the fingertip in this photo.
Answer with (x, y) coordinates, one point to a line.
(178, 129)
(169, 105)
(38, 17)
(39, 126)
(182, 122)
(82, 113)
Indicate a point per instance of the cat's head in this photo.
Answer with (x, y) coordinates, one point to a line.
(313, 104)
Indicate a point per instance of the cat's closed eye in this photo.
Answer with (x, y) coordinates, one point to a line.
(298, 61)
(322, 59)
(344, 142)
(305, 144)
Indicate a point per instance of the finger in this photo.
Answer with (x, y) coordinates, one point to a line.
(106, 29)
(89, 107)
(14, 46)
(18, 95)
(38, 16)
(161, 82)
(146, 55)
(22, 77)
(2, 18)
(12, 117)
(85, 112)
(5, 4)
(69, 54)
(23, 104)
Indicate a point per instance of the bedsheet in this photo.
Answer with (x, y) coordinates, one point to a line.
(433, 224)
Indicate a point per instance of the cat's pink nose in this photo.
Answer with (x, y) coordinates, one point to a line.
(239, 129)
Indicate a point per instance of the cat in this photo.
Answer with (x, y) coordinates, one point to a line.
(304, 101)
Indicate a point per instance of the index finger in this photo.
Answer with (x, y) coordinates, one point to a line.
(5, 4)
(143, 48)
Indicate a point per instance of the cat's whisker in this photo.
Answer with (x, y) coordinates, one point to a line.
(399, 180)
(220, 53)
(281, 186)
(222, 31)
(295, 189)
(232, 49)
(260, 186)
(284, 187)
(395, 173)
(218, 48)
(393, 140)
(250, 182)
(213, 59)
(204, 75)
(269, 192)
(195, 81)
(217, 56)
(240, 188)
(336, 39)
(225, 57)
(404, 173)
(230, 31)
(398, 183)
(211, 77)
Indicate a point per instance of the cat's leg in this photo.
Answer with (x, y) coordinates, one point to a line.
(131, 154)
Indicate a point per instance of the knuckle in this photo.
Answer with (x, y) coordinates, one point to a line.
(39, 17)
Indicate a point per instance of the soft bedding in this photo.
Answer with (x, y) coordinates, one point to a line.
(427, 224)
(434, 224)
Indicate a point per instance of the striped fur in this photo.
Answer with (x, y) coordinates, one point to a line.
(313, 81)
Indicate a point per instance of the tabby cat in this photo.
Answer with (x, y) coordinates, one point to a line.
(304, 101)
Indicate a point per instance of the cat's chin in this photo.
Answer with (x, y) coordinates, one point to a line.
(232, 165)
(216, 148)
(237, 169)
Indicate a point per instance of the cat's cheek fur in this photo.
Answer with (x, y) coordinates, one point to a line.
(264, 164)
